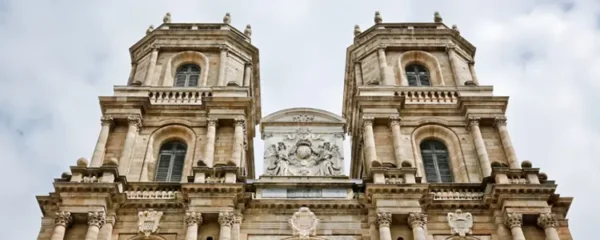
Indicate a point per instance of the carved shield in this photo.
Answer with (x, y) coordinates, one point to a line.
(304, 223)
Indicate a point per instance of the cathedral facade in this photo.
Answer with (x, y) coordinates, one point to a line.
(431, 157)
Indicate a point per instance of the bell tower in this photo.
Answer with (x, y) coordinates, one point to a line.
(410, 82)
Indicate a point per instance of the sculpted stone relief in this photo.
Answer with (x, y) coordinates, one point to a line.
(303, 154)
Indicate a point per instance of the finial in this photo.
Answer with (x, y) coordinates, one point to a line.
(150, 29)
(227, 18)
(357, 30)
(455, 28)
(437, 17)
(378, 18)
(82, 162)
(167, 18)
(248, 30)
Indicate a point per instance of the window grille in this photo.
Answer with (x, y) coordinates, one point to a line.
(436, 161)
(170, 162)
(417, 75)
(187, 76)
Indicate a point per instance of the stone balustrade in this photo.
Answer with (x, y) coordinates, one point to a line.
(152, 191)
(418, 96)
(188, 96)
(503, 175)
(456, 194)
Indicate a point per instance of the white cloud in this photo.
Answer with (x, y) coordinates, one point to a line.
(58, 56)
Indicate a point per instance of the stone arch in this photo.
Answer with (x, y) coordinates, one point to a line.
(184, 58)
(162, 135)
(424, 58)
(452, 142)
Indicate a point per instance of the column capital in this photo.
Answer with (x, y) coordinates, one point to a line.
(237, 218)
(107, 120)
(395, 120)
(547, 220)
(381, 47)
(450, 47)
(368, 121)
(135, 120)
(96, 219)
(500, 121)
(213, 122)
(513, 220)
(63, 218)
(248, 63)
(473, 122)
(384, 219)
(155, 47)
(192, 218)
(226, 218)
(417, 219)
(239, 122)
(224, 48)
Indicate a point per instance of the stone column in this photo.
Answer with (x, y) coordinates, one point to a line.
(417, 222)
(397, 135)
(248, 74)
(453, 58)
(107, 230)
(237, 222)
(222, 65)
(135, 123)
(150, 73)
(514, 221)
(209, 150)
(98, 156)
(95, 221)
(369, 141)
(358, 74)
(385, 78)
(225, 220)
(484, 160)
(384, 219)
(500, 123)
(473, 74)
(373, 232)
(61, 221)
(549, 224)
(238, 141)
(192, 220)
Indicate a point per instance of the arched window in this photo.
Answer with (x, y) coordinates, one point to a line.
(170, 162)
(436, 162)
(417, 75)
(187, 75)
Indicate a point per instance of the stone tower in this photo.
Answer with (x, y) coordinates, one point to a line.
(431, 155)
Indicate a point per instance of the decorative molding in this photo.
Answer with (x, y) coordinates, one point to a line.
(460, 223)
(304, 223)
(148, 222)
(97, 219)
(226, 219)
(513, 220)
(547, 220)
(384, 219)
(417, 219)
(192, 218)
(240, 122)
(63, 218)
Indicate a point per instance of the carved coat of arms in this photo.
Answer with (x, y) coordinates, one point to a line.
(148, 222)
(304, 223)
(460, 223)
(303, 159)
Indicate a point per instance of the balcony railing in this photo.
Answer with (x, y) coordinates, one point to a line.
(178, 96)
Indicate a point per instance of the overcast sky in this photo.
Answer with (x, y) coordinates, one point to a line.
(57, 57)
